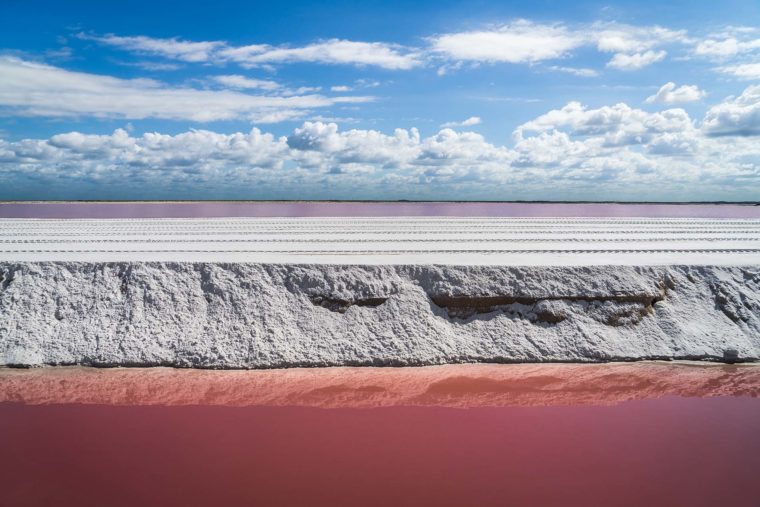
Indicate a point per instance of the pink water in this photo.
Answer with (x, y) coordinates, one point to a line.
(368, 209)
(532, 435)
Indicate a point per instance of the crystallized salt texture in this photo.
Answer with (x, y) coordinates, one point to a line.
(237, 315)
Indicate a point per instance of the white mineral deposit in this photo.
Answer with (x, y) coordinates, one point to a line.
(266, 293)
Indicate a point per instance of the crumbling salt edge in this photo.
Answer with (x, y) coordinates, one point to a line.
(237, 315)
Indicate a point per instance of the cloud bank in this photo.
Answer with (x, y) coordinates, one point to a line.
(331, 51)
(32, 89)
(517, 42)
(669, 93)
(618, 149)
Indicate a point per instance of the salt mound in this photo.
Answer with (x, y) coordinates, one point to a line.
(237, 315)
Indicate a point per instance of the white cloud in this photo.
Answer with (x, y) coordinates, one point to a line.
(518, 42)
(616, 151)
(596, 147)
(609, 126)
(153, 66)
(173, 48)
(340, 88)
(33, 89)
(739, 116)
(628, 39)
(634, 47)
(576, 71)
(720, 48)
(333, 51)
(333, 119)
(469, 122)
(523, 41)
(743, 71)
(245, 83)
(727, 47)
(670, 94)
(301, 90)
(635, 61)
(367, 83)
(321, 145)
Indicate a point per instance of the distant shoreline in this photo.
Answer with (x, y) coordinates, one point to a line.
(360, 201)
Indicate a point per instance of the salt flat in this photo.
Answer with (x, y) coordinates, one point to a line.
(388, 240)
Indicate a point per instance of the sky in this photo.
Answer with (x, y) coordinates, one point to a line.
(475, 100)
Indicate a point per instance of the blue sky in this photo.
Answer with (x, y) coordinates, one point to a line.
(380, 100)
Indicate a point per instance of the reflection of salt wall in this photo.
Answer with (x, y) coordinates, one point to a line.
(470, 385)
(260, 316)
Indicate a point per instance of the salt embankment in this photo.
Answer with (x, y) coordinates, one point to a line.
(253, 315)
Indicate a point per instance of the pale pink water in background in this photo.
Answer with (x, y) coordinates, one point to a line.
(367, 209)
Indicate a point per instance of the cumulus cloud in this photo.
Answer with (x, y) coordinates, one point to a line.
(33, 89)
(726, 47)
(739, 116)
(199, 149)
(628, 39)
(523, 41)
(576, 71)
(317, 148)
(670, 94)
(743, 71)
(616, 150)
(321, 145)
(469, 122)
(635, 61)
(634, 47)
(173, 48)
(609, 126)
(518, 42)
(332, 51)
(245, 83)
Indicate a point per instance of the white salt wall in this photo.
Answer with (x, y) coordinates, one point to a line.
(215, 315)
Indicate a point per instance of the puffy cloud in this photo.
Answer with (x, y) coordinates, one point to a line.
(465, 149)
(576, 71)
(340, 88)
(523, 41)
(34, 89)
(618, 145)
(738, 116)
(670, 94)
(635, 47)
(725, 47)
(174, 48)
(518, 42)
(614, 151)
(242, 82)
(608, 126)
(743, 71)
(333, 51)
(621, 38)
(321, 145)
(720, 48)
(469, 122)
(635, 61)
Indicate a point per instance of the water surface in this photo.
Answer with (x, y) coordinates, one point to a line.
(543, 435)
(366, 209)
